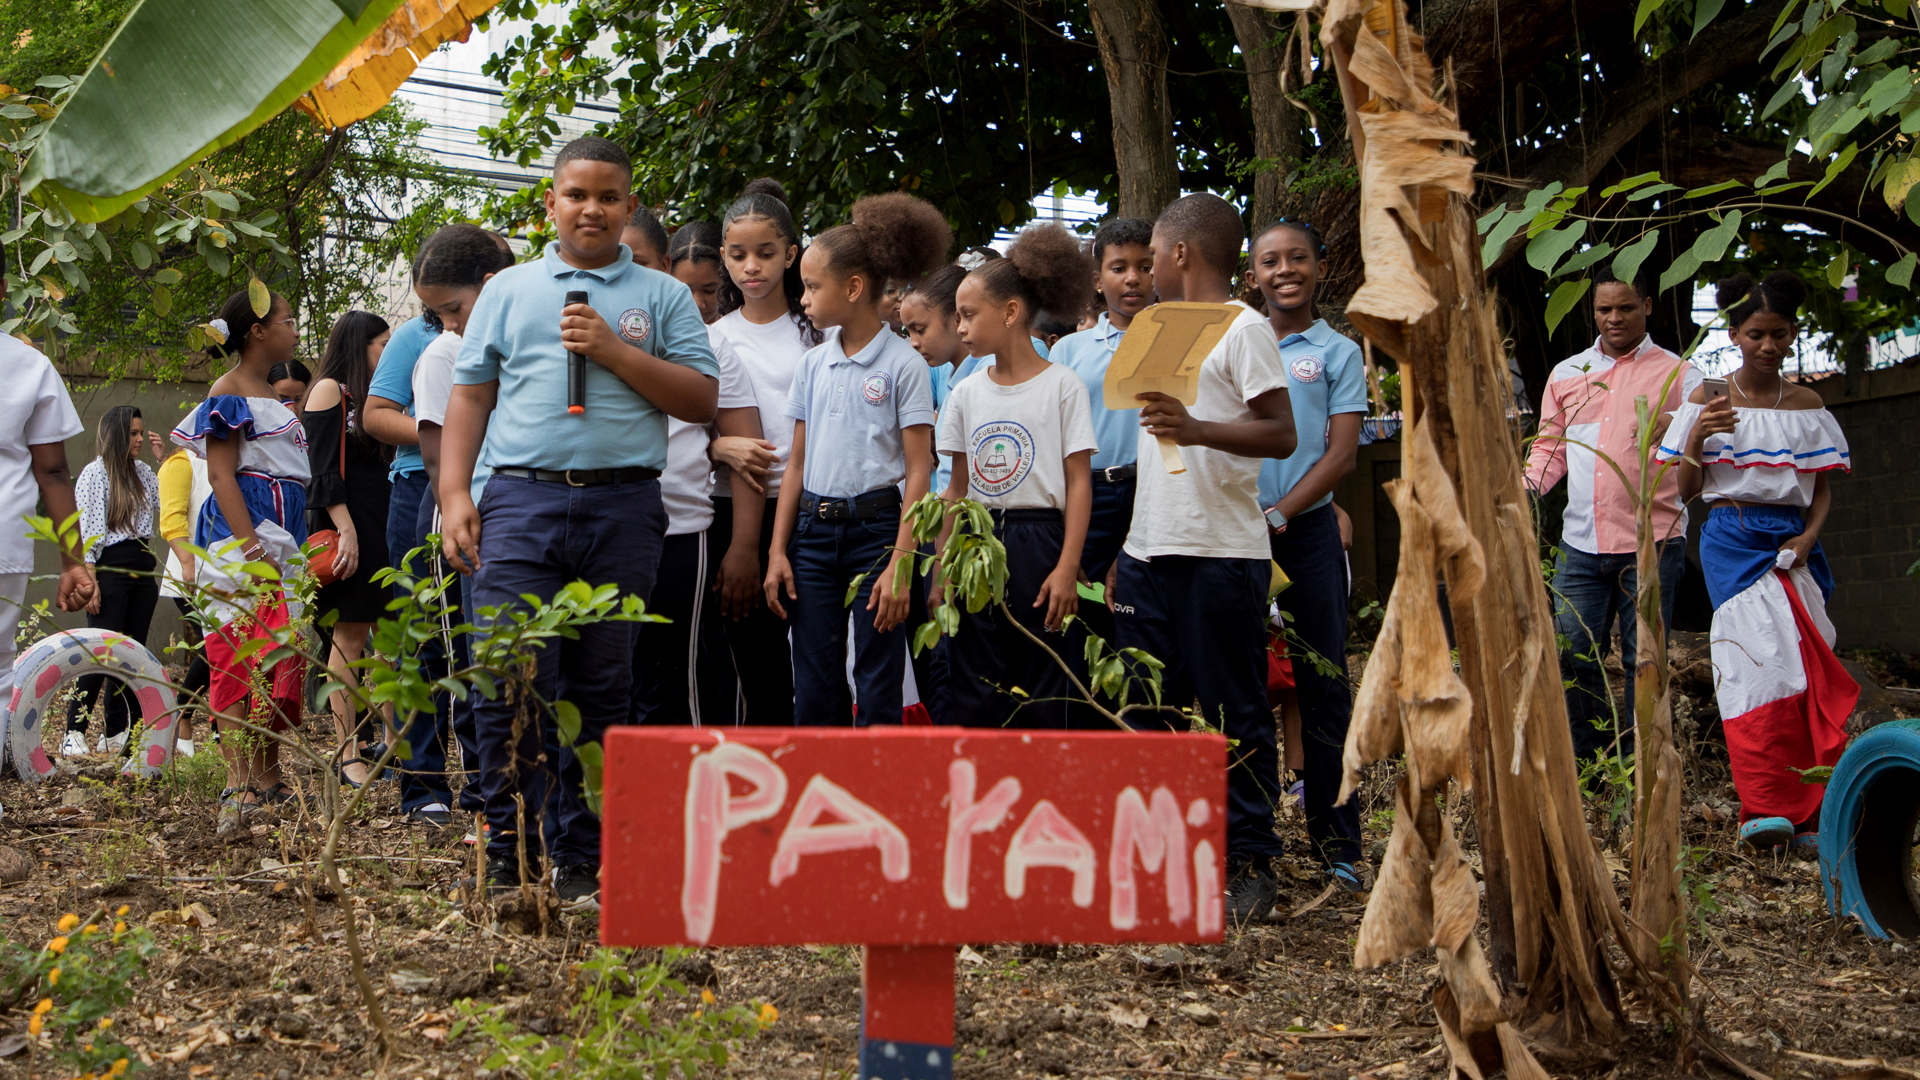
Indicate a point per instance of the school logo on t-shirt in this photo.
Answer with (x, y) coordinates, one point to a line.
(1002, 455)
(635, 325)
(876, 388)
(1308, 368)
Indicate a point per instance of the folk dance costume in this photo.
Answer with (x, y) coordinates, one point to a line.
(272, 475)
(1784, 698)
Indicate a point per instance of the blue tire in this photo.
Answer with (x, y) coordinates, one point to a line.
(1867, 827)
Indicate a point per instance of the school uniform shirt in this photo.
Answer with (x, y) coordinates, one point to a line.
(1017, 438)
(686, 487)
(1212, 510)
(34, 410)
(854, 408)
(393, 380)
(1325, 377)
(91, 493)
(947, 377)
(433, 388)
(1088, 353)
(769, 354)
(513, 336)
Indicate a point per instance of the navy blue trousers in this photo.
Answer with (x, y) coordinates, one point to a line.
(1316, 608)
(1107, 528)
(990, 656)
(1205, 619)
(537, 537)
(423, 775)
(426, 779)
(682, 671)
(826, 556)
(758, 643)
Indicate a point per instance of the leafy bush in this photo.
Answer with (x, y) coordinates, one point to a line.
(81, 978)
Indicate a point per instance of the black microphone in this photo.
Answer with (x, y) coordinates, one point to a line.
(576, 368)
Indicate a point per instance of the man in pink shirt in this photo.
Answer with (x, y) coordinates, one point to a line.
(1588, 427)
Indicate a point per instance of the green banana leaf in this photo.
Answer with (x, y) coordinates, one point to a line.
(181, 79)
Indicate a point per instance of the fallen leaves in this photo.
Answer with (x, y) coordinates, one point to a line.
(194, 914)
(1128, 1014)
(197, 1037)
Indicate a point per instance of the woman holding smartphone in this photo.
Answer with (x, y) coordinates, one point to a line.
(1759, 452)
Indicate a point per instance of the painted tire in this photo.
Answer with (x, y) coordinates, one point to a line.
(1867, 831)
(53, 662)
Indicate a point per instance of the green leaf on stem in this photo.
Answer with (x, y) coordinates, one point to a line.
(1567, 294)
(1626, 265)
(1901, 273)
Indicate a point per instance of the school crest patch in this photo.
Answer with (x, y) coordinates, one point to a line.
(876, 388)
(1001, 457)
(1308, 369)
(634, 326)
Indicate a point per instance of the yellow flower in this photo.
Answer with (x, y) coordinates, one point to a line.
(45, 1006)
(33, 1025)
(57, 945)
(69, 921)
(706, 997)
(106, 1022)
(119, 1068)
(119, 928)
(53, 977)
(768, 1014)
(92, 928)
(121, 913)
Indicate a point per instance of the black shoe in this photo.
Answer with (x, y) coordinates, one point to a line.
(435, 814)
(1251, 892)
(577, 884)
(503, 873)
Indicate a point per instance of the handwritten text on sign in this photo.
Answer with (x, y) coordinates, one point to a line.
(748, 836)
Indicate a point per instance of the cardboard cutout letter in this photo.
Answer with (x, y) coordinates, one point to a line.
(1161, 354)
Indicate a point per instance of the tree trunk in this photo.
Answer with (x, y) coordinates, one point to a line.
(1276, 123)
(1133, 51)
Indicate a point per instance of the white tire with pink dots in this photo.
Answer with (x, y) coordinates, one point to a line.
(59, 659)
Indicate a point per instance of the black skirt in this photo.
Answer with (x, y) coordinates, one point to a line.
(366, 492)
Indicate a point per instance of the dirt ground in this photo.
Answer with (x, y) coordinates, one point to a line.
(255, 983)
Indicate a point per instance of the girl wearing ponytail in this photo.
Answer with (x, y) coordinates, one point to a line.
(1020, 436)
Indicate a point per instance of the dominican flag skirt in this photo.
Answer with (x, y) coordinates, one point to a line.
(1784, 698)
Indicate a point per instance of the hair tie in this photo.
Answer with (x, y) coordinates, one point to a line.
(220, 326)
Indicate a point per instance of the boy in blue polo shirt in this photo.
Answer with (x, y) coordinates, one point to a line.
(573, 497)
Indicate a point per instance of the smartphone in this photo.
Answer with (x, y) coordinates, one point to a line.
(1714, 388)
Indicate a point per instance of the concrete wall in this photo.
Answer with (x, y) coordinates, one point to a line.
(1873, 531)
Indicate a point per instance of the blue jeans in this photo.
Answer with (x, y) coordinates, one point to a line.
(423, 774)
(826, 556)
(1592, 593)
(1206, 620)
(1310, 553)
(537, 537)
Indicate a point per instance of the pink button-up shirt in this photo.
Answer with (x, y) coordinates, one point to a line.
(1587, 412)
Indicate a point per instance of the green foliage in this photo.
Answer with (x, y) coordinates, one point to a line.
(622, 1024)
(83, 975)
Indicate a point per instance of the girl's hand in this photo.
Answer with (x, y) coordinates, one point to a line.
(159, 445)
(78, 590)
(739, 582)
(1060, 595)
(751, 458)
(93, 601)
(346, 554)
(1802, 548)
(888, 605)
(186, 569)
(1716, 419)
(779, 578)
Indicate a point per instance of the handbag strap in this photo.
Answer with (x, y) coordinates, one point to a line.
(346, 402)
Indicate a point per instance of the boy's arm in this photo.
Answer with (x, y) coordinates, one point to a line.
(387, 420)
(1547, 457)
(681, 392)
(1269, 434)
(76, 586)
(468, 410)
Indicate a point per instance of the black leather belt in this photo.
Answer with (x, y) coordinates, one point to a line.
(633, 474)
(1118, 474)
(873, 504)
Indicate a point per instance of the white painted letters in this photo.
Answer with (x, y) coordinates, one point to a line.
(711, 813)
(966, 817)
(860, 826)
(1047, 838)
(1160, 836)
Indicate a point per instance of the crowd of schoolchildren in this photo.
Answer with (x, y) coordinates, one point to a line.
(756, 413)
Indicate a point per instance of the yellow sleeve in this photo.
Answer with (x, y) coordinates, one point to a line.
(176, 495)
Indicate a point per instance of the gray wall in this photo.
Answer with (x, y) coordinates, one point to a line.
(1873, 531)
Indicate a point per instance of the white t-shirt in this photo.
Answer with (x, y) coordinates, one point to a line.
(1017, 438)
(433, 379)
(1213, 509)
(770, 354)
(34, 410)
(686, 485)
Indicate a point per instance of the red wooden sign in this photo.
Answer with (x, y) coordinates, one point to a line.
(746, 836)
(910, 841)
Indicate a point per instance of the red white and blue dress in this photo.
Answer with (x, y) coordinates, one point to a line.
(1784, 698)
(272, 474)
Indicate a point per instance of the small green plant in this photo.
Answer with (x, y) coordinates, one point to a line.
(1699, 890)
(83, 975)
(624, 1032)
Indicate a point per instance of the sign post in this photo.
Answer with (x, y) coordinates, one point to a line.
(910, 842)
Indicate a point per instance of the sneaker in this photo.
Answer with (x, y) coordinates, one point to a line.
(113, 744)
(577, 885)
(1251, 892)
(1352, 877)
(434, 814)
(1805, 846)
(503, 873)
(477, 835)
(74, 745)
(234, 810)
(183, 747)
(1767, 834)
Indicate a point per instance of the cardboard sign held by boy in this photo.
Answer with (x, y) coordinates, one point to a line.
(1161, 354)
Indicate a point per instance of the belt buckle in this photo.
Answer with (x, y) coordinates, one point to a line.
(571, 482)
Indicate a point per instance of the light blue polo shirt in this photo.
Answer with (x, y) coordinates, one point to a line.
(1325, 376)
(1117, 430)
(393, 380)
(854, 407)
(513, 335)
